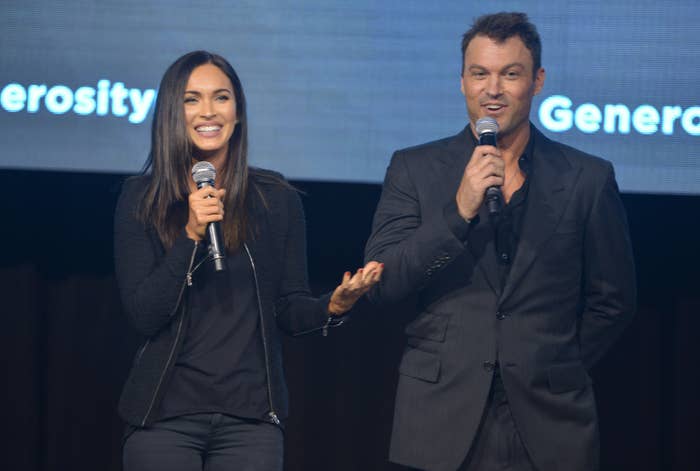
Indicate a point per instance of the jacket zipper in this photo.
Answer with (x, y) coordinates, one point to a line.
(185, 283)
(272, 414)
(324, 328)
(137, 360)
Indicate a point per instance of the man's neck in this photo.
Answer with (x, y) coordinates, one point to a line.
(513, 145)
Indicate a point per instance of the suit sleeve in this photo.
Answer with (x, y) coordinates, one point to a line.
(150, 285)
(298, 312)
(413, 246)
(609, 282)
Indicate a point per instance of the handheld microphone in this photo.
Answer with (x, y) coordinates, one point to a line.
(204, 174)
(486, 129)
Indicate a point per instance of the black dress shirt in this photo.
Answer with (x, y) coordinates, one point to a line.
(508, 224)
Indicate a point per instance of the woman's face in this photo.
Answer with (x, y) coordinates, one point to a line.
(210, 113)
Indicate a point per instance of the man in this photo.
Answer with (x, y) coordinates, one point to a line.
(515, 308)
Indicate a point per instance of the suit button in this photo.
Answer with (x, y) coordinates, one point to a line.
(501, 315)
(489, 366)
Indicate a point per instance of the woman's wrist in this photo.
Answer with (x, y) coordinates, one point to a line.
(191, 234)
(336, 309)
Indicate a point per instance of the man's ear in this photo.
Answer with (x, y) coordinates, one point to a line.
(539, 80)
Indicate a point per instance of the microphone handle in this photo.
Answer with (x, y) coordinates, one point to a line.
(216, 249)
(494, 197)
(487, 139)
(493, 200)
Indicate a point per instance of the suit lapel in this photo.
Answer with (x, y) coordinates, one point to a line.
(452, 162)
(483, 250)
(550, 190)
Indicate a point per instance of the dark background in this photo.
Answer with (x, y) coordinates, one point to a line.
(66, 347)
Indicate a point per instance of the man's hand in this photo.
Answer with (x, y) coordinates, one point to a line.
(486, 168)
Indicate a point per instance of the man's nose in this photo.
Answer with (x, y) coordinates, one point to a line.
(494, 86)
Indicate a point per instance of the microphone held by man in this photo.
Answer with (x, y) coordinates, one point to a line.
(486, 129)
(484, 174)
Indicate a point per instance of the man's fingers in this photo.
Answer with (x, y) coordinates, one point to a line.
(491, 164)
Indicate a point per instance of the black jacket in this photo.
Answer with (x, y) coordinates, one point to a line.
(569, 293)
(153, 285)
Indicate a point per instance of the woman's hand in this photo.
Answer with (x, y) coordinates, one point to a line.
(354, 286)
(205, 207)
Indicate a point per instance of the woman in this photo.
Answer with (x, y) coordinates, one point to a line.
(206, 390)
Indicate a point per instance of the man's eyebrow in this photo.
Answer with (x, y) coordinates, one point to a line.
(514, 64)
(507, 66)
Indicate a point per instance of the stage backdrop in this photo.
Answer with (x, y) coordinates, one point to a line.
(335, 87)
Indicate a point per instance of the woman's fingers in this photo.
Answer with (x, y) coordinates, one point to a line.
(354, 286)
(364, 278)
(205, 206)
(207, 192)
(371, 273)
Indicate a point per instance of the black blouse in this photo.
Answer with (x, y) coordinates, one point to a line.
(221, 367)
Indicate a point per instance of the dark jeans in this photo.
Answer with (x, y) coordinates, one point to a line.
(497, 446)
(209, 442)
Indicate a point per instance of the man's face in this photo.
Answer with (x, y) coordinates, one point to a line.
(498, 82)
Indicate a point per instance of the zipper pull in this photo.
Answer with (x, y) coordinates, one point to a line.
(273, 417)
(188, 276)
(324, 329)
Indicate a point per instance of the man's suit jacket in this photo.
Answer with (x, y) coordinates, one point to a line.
(570, 291)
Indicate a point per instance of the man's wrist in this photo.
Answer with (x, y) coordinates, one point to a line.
(456, 222)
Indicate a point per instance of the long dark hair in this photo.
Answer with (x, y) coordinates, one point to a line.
(164, 205)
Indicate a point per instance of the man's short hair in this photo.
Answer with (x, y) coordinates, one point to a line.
(502, 26)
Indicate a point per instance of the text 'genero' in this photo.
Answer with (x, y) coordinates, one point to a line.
(556, 115)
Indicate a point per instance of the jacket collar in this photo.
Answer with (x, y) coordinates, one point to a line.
(550, 192)
(553, 177)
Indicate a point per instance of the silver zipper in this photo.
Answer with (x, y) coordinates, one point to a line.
(186, 282)
(272, 414)
(141, 350)
(324, 328)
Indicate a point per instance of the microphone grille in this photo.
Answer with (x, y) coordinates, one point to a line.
(486, 125)
(203, 172)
